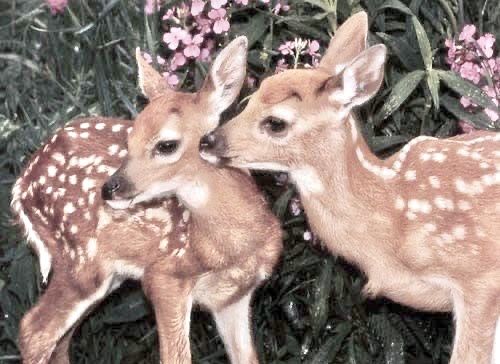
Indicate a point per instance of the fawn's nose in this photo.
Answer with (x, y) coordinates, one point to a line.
(213, 143)
(111, 186)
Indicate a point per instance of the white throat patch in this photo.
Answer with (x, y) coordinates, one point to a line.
(307, 180)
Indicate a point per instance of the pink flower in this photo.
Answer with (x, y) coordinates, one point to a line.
(486, 44)
(313, 48)
(286, 48)
(221, 25)
(173, 37)
(193, 45)
(241, 2)
(147, 57)
(281, 5)
(281, 65)
(204, 24)
(452, 50)
(204, 54)
(470, 71)
(465, 101)
(217, 4)
(57, 6)
(168, 14)
(160, 60)
(467, 33)
(149, 8)
(178, 60)
(307, 235)
(172, 79)
(466, 127)
(197, 7)
(251, 81)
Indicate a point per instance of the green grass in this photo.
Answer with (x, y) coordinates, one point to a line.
(55, 68)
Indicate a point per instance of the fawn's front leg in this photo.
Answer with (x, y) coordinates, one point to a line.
(172, 301)
(476, 319)
(233, 323)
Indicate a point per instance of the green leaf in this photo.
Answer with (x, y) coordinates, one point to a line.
(399, 94)
(478, 120)
(322, 4)
(433, 84)
(466, 88)
(400, 47)
(329, 350)
(254, 28)
(423, 43)
(397, 5)
(322, 292)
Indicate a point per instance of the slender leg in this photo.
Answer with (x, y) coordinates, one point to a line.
(172, 302)
(474, 331)
(57, 311)
(233, 323)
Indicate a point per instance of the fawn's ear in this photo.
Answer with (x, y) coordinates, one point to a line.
(227, 75)
(347, 43)
(361, 79)
(152, 84)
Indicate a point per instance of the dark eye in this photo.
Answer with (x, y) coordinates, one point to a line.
(166, 147)
(275, 126)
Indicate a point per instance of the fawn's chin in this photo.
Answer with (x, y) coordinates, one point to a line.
(120, 204)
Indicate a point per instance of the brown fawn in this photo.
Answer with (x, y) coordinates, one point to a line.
(214, 251)
(423, 224)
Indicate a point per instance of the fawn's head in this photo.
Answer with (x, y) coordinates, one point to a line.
(296, 109)
(163, 146)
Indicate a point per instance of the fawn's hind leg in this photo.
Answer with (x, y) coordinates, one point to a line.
(57, 311)
(61, 352)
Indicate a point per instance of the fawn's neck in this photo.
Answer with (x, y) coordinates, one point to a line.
(345, 205)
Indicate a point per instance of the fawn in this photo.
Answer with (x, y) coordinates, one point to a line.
(421, 224)
(214, 247)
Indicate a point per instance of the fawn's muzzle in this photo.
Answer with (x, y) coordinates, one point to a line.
(213, 143)
(116, 184)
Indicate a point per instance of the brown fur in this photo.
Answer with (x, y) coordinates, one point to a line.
(424, 229)
(216, 257)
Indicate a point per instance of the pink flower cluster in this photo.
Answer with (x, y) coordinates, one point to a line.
(472, 57)
(297, 52)
(57, 6)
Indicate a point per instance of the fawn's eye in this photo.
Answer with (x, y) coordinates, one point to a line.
(275, 126)
(166, 147)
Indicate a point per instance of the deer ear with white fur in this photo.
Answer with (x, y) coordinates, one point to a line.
(151, 83)
(361, 79)
(347, 43)
(227, 74)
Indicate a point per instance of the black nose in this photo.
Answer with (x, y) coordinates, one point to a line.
(208, 142)
(111, 186)
(214, 143)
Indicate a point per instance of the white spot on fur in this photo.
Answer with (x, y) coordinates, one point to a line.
(163, 244)
(113, 149)
(116, 128)
(411, 175)
(42, 180)
(434, 181)
(464, 205)
(400, 203)
(84, 135)
(73, 179)
(88, 184)
(73, 134)
(123, 153)
(438, 157)
(84, 125)
(92, 248)
(59, 158)
(62, 177)
(459, 232)
(100, 126)
(51, 171)
(444, 203)
(73, 229)
(430, 227)
(69, 208)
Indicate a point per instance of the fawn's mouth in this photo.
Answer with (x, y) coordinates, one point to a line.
(120, 204)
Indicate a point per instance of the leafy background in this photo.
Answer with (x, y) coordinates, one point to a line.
(55, 68)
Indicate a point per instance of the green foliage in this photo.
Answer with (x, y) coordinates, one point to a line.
(54, 68)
